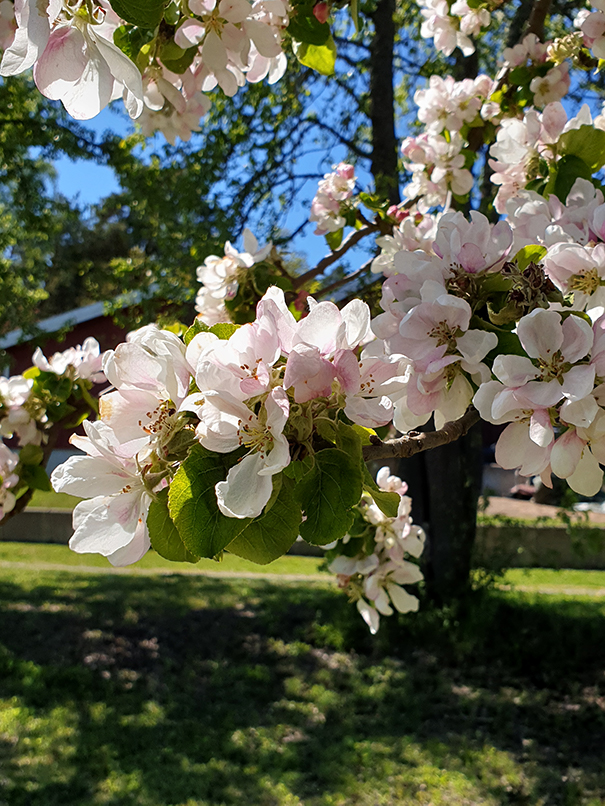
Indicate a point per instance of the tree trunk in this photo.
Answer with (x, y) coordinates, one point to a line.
(444, 483)
(454, 474)
(385, 147)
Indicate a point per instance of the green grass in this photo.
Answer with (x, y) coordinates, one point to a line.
(62, 555)
(190, 691)
(550, 577)
(52, 500)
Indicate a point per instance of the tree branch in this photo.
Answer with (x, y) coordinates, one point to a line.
(416, 442)
(537, 18)
(323, 264)
(344, 280)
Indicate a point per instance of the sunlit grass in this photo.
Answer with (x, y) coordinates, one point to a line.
(190, 691)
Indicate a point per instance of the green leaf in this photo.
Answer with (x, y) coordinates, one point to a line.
(520, 76)
(587, 143)
(327, 495)
(298, 469)
(349, 441)
(334, 239)
(354, 12)
(364, 433)
(131, 39)
(387, 502)
(197, 327)
(271, 535)
(320, 58)
(305, 28)
(175, 58)
(224, 330)
(31, 455)
(529, 254)
(205, 531)
(144, 13)
(164, 536)
(35, 477)
(564, 174)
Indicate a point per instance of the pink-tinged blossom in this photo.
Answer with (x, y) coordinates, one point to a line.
(219, 277)
(113, 521)
(8, 479)
(592, 26)
(241, 365)
(532, 394)
(577, 454)
(227, 424)
(536, 220)
(8, 24)
(335, 189)
(443, 28)
(73, 56)
(474, 246)
(16, 419)
(578, 270)
(86, 361)
(151, 360)
(376, 580)
(443, 354)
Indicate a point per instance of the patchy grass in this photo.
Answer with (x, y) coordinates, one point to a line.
(191, 691)
(552, 577)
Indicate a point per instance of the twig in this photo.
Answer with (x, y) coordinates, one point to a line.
(326, 261)
(415, 442)
(344, 280)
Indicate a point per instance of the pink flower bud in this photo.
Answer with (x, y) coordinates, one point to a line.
(397, 213)
(321, 12)
(343, 169)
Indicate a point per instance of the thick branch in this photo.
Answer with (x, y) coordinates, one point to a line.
(537, 18)
(416, 442)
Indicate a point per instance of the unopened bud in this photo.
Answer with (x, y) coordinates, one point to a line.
(321, 12)
(397, 213)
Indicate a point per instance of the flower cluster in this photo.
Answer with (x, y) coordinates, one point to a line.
(552, 399)
(8, 479)
(329, 203)
(439, 159)
(263, 389)
(236, 41)
(220, 278)
(452, 25)
(549, 78)
(80, 34)
(592, 26)
(524, 148)
(374, 576)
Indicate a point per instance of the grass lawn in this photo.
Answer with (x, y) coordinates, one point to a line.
(183, 690)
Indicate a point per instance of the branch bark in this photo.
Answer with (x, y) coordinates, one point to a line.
(326, 261)
(416, 442)
(537, 18)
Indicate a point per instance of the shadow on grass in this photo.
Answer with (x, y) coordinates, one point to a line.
(183, 690)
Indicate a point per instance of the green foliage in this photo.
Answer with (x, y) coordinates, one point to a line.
(197, 327)
(320, 58)
(35, 477)
(529, 254)
(327, 494)
(203, 528)
(387, 502)
(564, 174)
(224, 330)
(143, 13)
(164, 536)
(271, 535)
(305, 27)
(586, 143)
